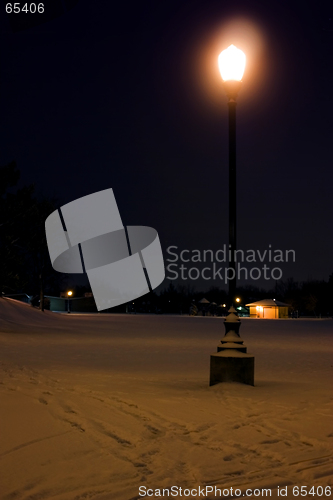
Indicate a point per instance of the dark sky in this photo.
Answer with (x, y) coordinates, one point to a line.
(129, 96)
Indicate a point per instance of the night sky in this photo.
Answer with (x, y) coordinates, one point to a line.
(129, 96)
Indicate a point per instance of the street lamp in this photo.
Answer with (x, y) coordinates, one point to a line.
(232, 363)
(69, 294)
(232, 65)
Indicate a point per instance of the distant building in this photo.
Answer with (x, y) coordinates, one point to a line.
(74, 304)
(203, 307)
(22, 297)
(268, 309)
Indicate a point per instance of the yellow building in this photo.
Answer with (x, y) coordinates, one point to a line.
(268, 309)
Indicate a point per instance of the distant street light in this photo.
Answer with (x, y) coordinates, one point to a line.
(238, 299)
(69, 294)
(232, 65)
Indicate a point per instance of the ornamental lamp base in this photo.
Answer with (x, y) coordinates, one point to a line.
(231, 365)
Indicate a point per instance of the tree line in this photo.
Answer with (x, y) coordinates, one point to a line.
(307, 298)
(24, 259)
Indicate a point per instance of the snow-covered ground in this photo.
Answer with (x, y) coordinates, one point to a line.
(94, 406)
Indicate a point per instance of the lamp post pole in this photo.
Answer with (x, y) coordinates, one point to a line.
(231, 88)
(232, 65)
(232, 196)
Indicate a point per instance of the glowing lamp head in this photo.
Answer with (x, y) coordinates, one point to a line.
(238, 299)
(232, 63)
(70, 293)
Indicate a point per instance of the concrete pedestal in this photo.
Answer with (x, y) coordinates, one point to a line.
(231, 366)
